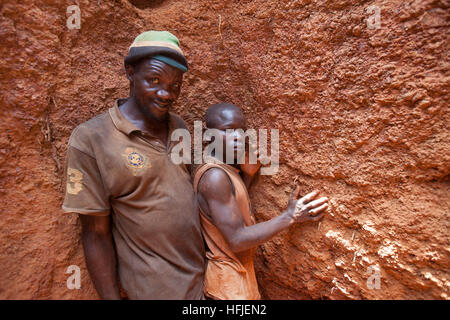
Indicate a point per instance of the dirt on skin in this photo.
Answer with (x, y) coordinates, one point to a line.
(362, 114)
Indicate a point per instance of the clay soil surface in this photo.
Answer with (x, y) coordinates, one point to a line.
(362, 114)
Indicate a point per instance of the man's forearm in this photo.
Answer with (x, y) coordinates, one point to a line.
(102, 264)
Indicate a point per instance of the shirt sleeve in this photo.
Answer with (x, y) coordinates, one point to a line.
(85, 192)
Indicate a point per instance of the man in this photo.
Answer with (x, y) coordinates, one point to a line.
(138, 212)
(227, 223)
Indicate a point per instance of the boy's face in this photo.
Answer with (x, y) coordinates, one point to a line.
(232, 119)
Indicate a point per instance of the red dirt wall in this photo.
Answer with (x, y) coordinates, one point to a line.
(362, 113)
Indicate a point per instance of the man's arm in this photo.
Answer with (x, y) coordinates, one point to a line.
(100, 255)
(221, 205)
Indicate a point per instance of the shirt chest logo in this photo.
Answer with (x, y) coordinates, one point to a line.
(135, 161)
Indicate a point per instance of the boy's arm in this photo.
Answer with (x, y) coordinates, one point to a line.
(220, 204)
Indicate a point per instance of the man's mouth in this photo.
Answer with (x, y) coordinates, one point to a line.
(162, 105)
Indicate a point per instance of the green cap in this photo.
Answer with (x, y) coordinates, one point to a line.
(160, 45)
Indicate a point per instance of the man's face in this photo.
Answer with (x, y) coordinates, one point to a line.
(155, 85)
(232, 119)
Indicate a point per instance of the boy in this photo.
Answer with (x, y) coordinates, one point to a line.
(228, 226)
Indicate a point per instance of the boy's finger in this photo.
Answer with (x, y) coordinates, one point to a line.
(316, 203)
(318, 217)
(294, 194)
(310, 196)
(297, 192)
(317, 210)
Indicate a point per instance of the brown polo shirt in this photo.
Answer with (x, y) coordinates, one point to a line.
(115, 169)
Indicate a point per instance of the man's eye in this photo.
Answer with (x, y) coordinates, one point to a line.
(154, 80)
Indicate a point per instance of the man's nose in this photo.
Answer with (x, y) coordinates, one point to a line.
(163, 94)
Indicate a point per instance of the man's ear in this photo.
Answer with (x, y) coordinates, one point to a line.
(129, 70)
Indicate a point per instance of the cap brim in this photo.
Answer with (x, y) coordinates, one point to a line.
(170, 62)
(137, 53)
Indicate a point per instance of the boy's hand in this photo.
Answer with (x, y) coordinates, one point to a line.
(306, 208)
(246, 167)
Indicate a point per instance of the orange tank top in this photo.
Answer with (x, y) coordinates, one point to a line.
(229, 275)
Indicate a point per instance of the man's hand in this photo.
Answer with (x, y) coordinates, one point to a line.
(306, 208)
